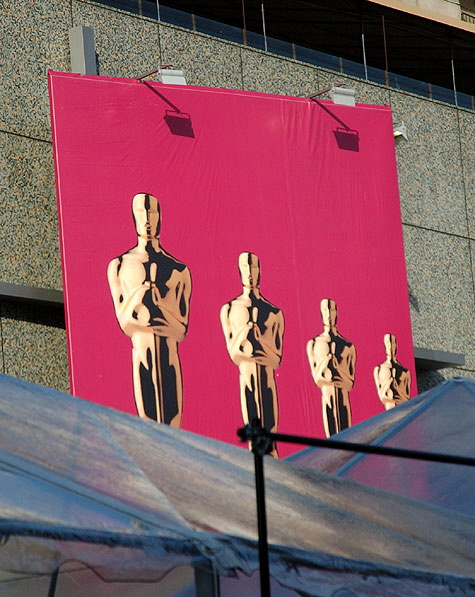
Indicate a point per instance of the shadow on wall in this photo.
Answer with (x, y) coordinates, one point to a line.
(427, 380)
(413, 299)
(50, 316)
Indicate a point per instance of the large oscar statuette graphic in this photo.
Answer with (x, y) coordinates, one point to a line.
(151, 294)
(253, 329)
(332, 361)
(393, 380)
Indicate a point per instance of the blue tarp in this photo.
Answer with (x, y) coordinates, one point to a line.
(441, 420)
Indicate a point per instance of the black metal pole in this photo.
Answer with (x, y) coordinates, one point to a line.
(370, 449)
(261, 445)
(262, 524)
(262, 440)
(53, 583)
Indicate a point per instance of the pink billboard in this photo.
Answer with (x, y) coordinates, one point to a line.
(229, 254)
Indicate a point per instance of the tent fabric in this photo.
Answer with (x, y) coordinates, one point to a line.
(441, 420)
(133, 499)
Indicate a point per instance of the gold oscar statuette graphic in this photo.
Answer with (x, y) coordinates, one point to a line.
(253, 328)
(332, 361)
(151, 295)
(393, 380)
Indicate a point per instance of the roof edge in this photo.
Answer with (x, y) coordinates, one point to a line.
(426, 14)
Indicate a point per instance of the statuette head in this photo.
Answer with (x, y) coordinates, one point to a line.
(146, 211)
(329, 312)
(250, 270)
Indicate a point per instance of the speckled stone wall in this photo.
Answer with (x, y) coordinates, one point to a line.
(436, 169)
(430, 165)
(271, 74)
(28, 218)
(440, 278)
(34, 39)
(209, 62)
(34, 345)
(467, 148)
(126, 45)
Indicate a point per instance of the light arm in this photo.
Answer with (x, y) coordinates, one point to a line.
(237, 341)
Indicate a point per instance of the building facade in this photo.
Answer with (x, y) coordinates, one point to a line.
(435, 167)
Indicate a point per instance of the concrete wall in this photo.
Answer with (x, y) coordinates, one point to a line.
(448, 8)
(436, 170)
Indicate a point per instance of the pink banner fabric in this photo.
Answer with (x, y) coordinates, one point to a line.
(309, 187)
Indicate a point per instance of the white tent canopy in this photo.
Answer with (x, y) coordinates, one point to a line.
(441, 420)
(93, 488)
